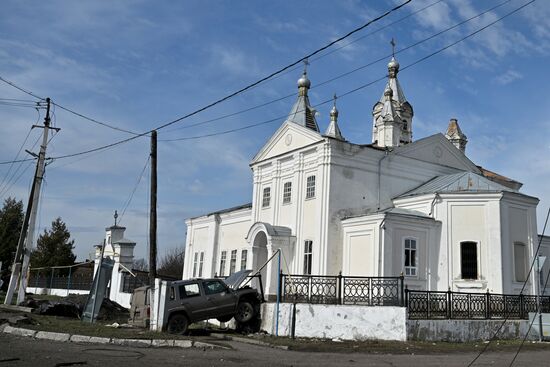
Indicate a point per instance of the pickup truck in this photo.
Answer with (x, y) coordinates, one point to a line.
(194, 300)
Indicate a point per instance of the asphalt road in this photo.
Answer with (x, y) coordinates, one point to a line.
(42, 353)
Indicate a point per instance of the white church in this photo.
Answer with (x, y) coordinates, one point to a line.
(394, 206)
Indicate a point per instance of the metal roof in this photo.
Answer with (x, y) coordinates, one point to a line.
(457, 182)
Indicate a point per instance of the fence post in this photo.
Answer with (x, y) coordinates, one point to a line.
(281, 286)
(339, 300)
(406, 298)
(488, 305)
(521, 306)
(69, 281)
(51, 280)
(449, 309)
(402, 290)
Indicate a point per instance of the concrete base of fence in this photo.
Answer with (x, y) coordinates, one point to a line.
(467, 330)
(345, 322)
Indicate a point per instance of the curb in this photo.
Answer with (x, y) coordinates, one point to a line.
(247, 341)
(137, 343)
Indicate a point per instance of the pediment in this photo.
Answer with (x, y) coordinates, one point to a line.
(437, 149)
(288, 137)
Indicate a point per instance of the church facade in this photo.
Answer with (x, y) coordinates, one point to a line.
(394, 206)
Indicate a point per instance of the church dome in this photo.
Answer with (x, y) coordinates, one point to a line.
(304, 81)
(393, 64)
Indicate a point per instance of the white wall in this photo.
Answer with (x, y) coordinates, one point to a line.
(344, 322)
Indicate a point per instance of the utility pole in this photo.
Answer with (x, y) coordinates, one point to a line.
(26, 237)
(153, 213)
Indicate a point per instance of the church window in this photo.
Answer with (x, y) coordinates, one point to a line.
(287, 192)
(195, 259)
(244, 255)
(201, 261)
(308, 254)
(233, 262)
(267, 197)
(222, 263)
(520, 262)
(468, 260)
(310, 187)
(410, 257)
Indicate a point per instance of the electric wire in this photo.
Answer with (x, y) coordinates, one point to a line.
(426, 57)
(16, 156)
(385, 57)
(10, 183)
(233, 94)
(275, 73)
(129, 200)
(541, 293)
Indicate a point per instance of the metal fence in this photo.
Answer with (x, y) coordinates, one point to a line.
(457, 305)
(129, 282)
(76, 282)
(345, 290)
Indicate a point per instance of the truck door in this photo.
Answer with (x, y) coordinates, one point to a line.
(221, 300)
(195, 305)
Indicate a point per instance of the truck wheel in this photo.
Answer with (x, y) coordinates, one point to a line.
(245, 312)
(177, 324)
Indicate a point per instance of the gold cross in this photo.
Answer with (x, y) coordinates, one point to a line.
(392, 42)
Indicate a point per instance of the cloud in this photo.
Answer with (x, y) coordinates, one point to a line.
(508, 77)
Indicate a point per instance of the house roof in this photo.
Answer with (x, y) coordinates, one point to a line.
(457, 182)
(395, 211)
(503, 180)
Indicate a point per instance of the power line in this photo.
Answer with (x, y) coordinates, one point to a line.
(540, 295)
(129, 200)
(231, 95)
(369, 83)
(95, 121)
(385, 57)
(311, 54)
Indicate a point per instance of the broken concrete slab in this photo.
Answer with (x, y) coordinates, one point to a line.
(59, 337)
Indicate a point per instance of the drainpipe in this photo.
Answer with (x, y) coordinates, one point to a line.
(386, 153)
(432, 214)
(381, 231)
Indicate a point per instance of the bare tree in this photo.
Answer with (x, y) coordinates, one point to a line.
(140, 264)
(171, 263)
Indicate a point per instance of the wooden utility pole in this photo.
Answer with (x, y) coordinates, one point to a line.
(26, 238)
(153, 212)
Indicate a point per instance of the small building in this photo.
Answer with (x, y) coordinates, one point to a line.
(388, 207)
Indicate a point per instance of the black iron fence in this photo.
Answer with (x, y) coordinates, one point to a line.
(130, 282)
(458, 305)
(75, 282)
(339, 289)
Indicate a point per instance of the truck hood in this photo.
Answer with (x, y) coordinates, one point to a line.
(235, 280)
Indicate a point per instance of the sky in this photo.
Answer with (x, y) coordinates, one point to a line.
(138, 64)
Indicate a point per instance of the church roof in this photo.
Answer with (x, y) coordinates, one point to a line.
(302, 113)
(333, 130)
(457, 182)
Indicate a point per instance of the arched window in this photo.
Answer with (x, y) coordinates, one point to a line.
(468, 260)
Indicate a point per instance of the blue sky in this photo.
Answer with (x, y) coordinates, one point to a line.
(138, 64)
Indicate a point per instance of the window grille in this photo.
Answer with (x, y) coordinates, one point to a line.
(468, 260)
(287, 192)
(233, 262)
(244, 255)
(267, 197)
(308, 254)
(222, 263)
(310, 187)
(410, 257)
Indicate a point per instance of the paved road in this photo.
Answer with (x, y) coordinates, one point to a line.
(42, 353)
